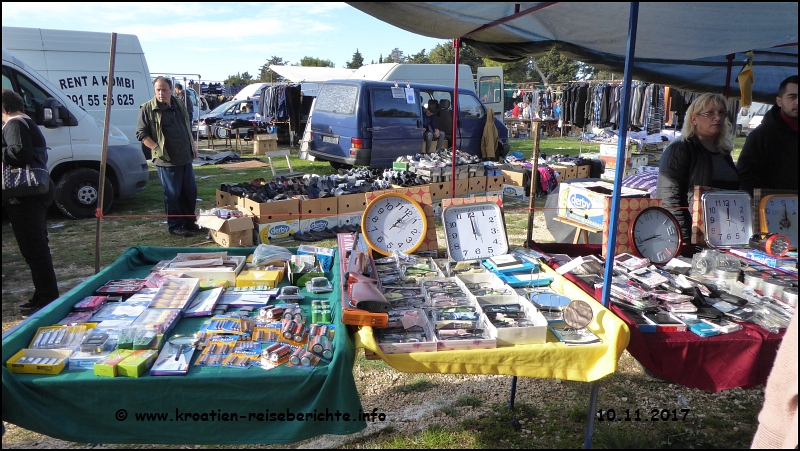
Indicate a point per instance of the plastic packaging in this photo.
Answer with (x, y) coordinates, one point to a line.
(266, 255)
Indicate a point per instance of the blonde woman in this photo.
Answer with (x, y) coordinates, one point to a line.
(702, 156)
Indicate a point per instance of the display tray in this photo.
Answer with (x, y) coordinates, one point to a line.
(93, 409)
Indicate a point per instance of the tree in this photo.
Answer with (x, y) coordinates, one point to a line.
(395, 56)
(419, 58)
(266, 75)
(356, 62)
(239, 79)
(512, 72)
(553, 66)
(380, 59)
(310, 61)
(446, 54)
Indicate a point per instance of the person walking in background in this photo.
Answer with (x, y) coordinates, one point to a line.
(23, 144)
(701, 156)
(183, 96)
(769, 156)
(165, 129)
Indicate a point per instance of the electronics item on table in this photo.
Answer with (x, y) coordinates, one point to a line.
(777, 213)
(655, 235)
(627, 306)
(727, 216)
(663, 319)
(394, 222)
(707, 261)
(723, 326)
(629, 262)
(578, 314)
(773, 244)
(475, 231)
(680, 307)
(741, 314)
(649, 278)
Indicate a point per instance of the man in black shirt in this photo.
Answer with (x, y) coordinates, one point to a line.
(164, 129)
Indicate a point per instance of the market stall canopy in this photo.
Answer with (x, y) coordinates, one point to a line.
(684, 45)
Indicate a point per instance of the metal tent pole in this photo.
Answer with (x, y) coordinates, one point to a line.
(456, 45)
(615, 197)
(101, 187)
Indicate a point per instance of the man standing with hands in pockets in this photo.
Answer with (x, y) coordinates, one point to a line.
(164, 129)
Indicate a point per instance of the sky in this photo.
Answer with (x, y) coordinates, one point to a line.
(216, 40)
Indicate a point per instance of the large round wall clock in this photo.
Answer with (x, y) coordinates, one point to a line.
(656, 235)
(777, 213)
(394, 222)
(728, 218)
(474, 231)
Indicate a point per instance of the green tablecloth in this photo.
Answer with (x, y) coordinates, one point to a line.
(76, 405)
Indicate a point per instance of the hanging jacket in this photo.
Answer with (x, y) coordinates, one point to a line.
(489, 138)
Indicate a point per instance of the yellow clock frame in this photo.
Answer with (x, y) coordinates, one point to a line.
(366, 223)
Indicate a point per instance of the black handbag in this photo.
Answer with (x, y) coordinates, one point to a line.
(24, 182)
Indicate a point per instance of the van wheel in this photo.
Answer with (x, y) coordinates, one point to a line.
(337, 166)
(76, 193)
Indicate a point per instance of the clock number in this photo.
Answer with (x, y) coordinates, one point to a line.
(409, 240)
(380, 211)
(400, 245)
(661, 257)
(637, 240)
(389, 245)
(713, 231)
(711, 219)
(737, 236)
(490, 249)
(452, 224)
(459, 216)
(456, 246)
(494, 231)
(713, 210)
(496, 242)
(389, 206)
(454, 235)
(741, 210)
(742, 218)
(414, 231)
(380, 239)
(471, 214)
(729, 236)
(373, 229)
(477, 251)
(671, 230)
(491, 218)
(374, 219)
(466, 252)
(647, 216)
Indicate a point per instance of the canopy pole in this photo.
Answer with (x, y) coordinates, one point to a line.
(456, 46)
(728, 76)
(101, 187)
(615, 197)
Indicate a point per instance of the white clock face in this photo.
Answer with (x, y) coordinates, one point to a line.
(728, 218)
(656, 235)
(394, 223)
(474, 231)
(780, 216)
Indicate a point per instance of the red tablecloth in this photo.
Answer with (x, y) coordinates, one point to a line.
(741, 359)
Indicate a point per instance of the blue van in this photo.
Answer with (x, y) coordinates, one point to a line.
(372, 123)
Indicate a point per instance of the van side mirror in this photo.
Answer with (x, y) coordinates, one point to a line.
(51, 113)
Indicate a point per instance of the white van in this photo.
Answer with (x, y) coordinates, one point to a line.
(489, 79)
(77, 63)
(750, 115)
(74, 142)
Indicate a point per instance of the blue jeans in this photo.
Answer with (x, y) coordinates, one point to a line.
(180, 194)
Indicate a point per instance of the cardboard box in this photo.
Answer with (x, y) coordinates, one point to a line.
(225, 272)
(259, 278)
(268, 212)
(317, 208)
(107, 367)
(513, 178)
(628, 210)
(494, 183)
(514, 192)
(583, 171)
(225, 200)
(610, 150)
(137, 363)
(318, 224)
(350, 203)
(585, 202)
(477, 185)
(498, 193)
(232, 232)
(351, 218)
(276, 232)
(566, 172)
(30, 368)
(263, 147)
(440, 190)
(462, 187)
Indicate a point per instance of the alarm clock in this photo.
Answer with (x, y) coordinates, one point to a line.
(777, 213)
(474, 231)
(655, 235)
(394, 222)
(728, 218)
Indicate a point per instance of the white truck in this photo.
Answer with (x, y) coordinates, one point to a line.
(488, 83)
(74, 141)
(76, 62)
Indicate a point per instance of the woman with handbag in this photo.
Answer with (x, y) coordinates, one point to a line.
(27, 193)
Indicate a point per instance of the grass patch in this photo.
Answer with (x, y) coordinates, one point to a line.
(468, 401)
(416, 386)
(450, 411)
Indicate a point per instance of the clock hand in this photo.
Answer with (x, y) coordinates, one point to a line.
(475, 229)
(652, 237)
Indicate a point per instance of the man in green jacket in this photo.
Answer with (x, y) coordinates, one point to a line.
(164, 129)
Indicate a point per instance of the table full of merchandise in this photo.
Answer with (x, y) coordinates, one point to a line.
(209, 405)
(740, 359)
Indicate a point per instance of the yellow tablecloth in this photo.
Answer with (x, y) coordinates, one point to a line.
(552, 359)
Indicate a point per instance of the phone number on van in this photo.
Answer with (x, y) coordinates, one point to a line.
(94, 99)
